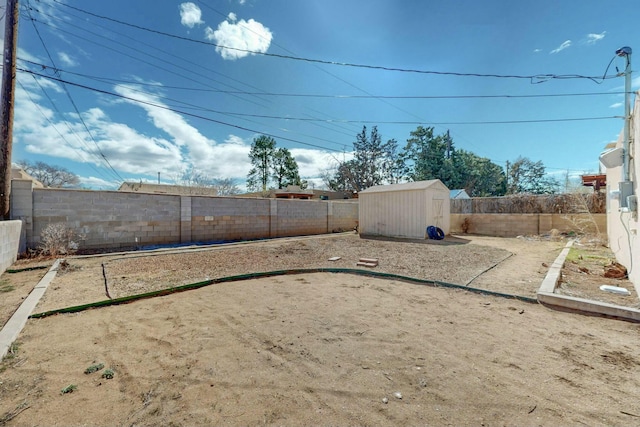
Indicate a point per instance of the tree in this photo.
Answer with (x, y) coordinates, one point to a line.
(424, 155)
(261, 156)
(50, 176)
(479, 176)
(526, 176)
(225, 186)
(373, 163)
(285, 169)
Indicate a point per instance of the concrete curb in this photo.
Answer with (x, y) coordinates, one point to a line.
(546, 296)
(16, 323)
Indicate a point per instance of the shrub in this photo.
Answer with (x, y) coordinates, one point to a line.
(57, 239)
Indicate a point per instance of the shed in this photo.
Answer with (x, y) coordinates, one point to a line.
(459, 194)
(404, 210)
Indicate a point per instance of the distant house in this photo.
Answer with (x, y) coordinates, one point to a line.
(143, 187)
(18, 173)
(622, 200)
(458, 194)
(294, 192)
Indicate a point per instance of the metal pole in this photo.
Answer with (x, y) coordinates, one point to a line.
(627, 118)
(8, 96)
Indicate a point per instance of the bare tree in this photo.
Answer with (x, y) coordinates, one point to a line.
(225, 186)
(50, 176)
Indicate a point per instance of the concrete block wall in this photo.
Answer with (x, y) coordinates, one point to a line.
(10, 232)
(342, 216)
(300, 217)
(108, 219)
(228, 218)
(512, 225)
(111, 219)
(21, 207)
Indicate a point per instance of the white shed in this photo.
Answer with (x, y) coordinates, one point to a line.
(404, 210)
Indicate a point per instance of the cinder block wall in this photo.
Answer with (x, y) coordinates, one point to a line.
(342, 216)
(111, 219)
(512, 225)
(108, 219)
(9, 243)
(220, 218)
(296, 217)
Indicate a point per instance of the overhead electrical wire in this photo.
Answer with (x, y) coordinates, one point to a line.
(164, 107)
(137, 58)
(232, 93)
(534, 78)
(102, 155)
(78, 152)
(569, 119)
(112, 80)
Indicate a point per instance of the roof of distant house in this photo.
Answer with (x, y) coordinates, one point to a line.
(143, 187)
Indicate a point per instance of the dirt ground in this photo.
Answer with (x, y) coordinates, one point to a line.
(323, 348)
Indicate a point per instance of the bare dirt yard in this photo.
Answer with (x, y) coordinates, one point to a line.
(318, 349)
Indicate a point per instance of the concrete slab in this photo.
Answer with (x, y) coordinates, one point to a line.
(16, 323)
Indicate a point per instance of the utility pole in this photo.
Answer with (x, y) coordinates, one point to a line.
(448, 145)
(8, 97)
(626, 186)
(507, 175)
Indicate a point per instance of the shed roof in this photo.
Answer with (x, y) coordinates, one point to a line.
(407, 186)
(459, 194)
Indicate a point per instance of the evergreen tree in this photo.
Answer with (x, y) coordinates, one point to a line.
(261, 156)
(285, 169)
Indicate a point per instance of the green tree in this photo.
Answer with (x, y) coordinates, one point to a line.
(527, 176)
(479, 176)
(285, 169)
(424, 155)
(261, 156)
(373, 163)
(49, 175)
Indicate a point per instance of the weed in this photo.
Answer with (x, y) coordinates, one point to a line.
(13, 351)
(5, 286)
(69, 389)
(108, 374)
(12, 414)
(56, 239)
(94, 368)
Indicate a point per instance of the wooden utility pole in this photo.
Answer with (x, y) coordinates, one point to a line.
(8, 97)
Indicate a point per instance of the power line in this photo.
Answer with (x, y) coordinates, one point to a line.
(570, 119)
(319, 95)
(533, 78)
(75, 106)
(137, 58)
(54, 126)
(175, 111)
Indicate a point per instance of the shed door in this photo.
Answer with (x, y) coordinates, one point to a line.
(438, 216)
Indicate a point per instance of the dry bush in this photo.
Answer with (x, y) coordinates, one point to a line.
(57, 239)
(531, 204)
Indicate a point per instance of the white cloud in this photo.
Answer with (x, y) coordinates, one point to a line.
(247, 36)
(312, 163)
(562, 47)
(537, 50)
(190, 15)
(616, 105)
(67, 60)
(241, 2)
(593, 38)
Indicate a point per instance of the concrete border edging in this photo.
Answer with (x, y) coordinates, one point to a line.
(546, 296)
(18, 320)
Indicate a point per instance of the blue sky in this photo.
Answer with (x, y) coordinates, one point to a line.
(162, 95)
